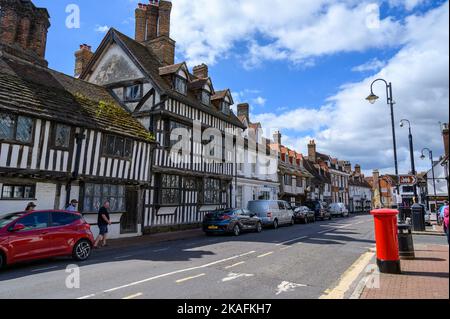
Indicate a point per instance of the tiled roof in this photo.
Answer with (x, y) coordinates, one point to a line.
(41, 92)
(170, 69)
(151, 65)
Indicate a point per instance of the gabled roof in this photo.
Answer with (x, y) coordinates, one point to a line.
(150, 65)
(170, 69)
(44, 93)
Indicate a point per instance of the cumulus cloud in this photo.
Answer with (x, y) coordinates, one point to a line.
(372, 65)
(101, 28)
(298, 30)
(352, 129)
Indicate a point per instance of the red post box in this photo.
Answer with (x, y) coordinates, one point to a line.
(386, 237)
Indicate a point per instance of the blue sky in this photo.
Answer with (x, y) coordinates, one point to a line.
(299, 68)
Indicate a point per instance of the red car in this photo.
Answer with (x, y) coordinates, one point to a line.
(26, 236)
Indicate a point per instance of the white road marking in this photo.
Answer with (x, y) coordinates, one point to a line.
(86, 297)
(189, 278)
(235, 265)
(289, 241)
(42, 269)
(133, 296)
(177, 272)
(287, 286)
(233, 276)
(265, 255)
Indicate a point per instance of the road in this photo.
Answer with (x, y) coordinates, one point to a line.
(292, 262)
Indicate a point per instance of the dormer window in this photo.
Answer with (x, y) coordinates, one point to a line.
(225, 107)
(205, 97)
(180, 85)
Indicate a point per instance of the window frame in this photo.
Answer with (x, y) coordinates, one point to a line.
(53, 137)
(102, 196)
(33, 187)
(14, 139)
(163, 188)
(105, 152)
(139, 95)
(185, 81)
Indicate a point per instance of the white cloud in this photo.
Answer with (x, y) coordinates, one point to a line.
(350, 128)
(260, 101)
(372, 65)
(298, 31)
(101, 28)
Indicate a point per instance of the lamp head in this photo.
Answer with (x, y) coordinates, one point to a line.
(372, 98)
(422, 157)
(402, 124)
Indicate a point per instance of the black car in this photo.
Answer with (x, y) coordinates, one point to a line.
(231, 221)
(320, 209)
(304, 214)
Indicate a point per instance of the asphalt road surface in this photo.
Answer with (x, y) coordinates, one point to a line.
(301, 261)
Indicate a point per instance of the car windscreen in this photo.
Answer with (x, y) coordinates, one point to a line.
(5, 220)
(219, 213)
(312, 205)
(256, 207)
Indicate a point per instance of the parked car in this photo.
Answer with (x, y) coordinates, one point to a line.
(232, 221)
(272, 213)
(338, 209)
(26, 236)
(304, 215)
(320, 209)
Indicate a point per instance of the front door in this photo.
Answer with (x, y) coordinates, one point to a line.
(129, 220)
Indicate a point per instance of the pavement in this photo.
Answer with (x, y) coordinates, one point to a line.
(298, 262)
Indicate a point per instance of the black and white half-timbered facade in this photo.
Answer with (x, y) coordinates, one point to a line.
(178, 107)
(62, 138)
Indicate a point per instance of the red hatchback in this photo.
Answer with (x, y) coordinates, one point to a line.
(26, 236)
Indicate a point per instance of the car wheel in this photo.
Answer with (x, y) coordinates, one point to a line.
(258, 227)
(82, 250)
(236, 230)
(292, 222)
(275, 224)
(306, 220)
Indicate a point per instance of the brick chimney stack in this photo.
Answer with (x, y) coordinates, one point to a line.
(445, 137)
(201, 71)
(243, 109)
(82, 58)
(277, 137)
(312, 154)
(376, 179)
(153, 29)
(23, 30)
(358, 169)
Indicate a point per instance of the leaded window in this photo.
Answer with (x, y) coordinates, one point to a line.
(132, 93)
(225, 107)
(16, 128)
(117, 146)
(212, 191)
(180, 85)
(170, 189)
(96, 194)
(62, 136)
(18, 191)
(206, 97)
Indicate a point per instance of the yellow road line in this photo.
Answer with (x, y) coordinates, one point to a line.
(188, 278)
(349, 276)
(133, 296)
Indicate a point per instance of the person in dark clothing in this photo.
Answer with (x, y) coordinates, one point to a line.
(103, 221)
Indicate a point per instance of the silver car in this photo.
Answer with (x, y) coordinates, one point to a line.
(272, 213)
(339, 209)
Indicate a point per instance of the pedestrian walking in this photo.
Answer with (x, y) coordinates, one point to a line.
(30, 207)
(103, 221)
(72, 206)
(440, 215)
(446, 220)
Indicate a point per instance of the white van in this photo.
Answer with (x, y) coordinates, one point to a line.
(339, 209)
(272, 213)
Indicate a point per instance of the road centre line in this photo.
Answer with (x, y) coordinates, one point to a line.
(189, 278)
(133, 296)
(174, 273)
(265, 255)
(42, 269)
(235, 265)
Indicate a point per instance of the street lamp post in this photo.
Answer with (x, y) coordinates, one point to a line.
(430, 154)
(372, 98)
(411, 151)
